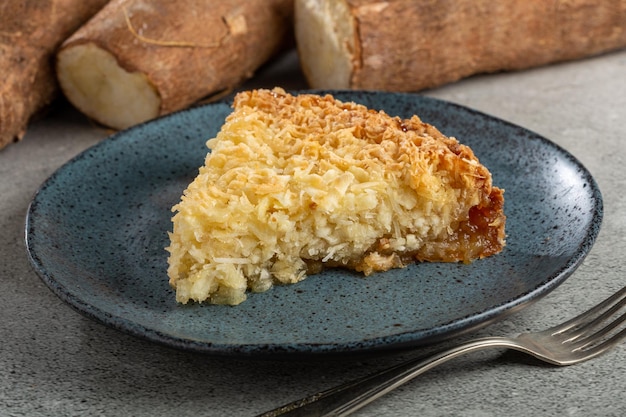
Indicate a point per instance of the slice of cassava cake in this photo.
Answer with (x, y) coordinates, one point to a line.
(293, 184)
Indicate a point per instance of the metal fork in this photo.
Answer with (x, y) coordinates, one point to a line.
(583, 337)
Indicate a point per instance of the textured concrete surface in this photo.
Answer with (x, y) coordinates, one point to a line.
(55, 362)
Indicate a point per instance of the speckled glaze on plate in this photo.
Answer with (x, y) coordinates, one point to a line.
(96, 229)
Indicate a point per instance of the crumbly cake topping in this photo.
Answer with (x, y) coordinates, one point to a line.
(296, 183)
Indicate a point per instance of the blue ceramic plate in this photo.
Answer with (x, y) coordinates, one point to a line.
(96, 230)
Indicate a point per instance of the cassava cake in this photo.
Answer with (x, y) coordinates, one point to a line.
(297, 183)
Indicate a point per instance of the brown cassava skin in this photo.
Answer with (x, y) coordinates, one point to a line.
(30, 32)
(188, 49)
(409, 45)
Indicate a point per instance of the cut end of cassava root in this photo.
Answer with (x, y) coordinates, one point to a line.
(326, 42)
(93, 81)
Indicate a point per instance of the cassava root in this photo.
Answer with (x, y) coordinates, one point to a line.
(30, 32)
(410, 45)
(137, 59)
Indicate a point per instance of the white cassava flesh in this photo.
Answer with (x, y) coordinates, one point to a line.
(94, 81)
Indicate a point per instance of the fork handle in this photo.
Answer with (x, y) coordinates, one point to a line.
(345, 399)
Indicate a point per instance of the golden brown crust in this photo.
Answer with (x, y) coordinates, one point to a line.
(377, 127)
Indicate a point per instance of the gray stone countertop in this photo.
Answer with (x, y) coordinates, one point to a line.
(55, 362)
